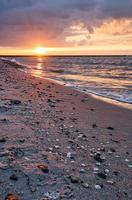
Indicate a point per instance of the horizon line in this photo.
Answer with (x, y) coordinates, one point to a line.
(75, 55)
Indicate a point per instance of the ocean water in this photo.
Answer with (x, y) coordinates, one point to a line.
(106, 76)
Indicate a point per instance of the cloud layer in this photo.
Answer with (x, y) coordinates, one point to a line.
(28, 22)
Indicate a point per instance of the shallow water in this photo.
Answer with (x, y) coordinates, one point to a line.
(106, 76)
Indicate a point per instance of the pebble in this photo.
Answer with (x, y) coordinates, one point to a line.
(15, 102)
(110, 182)
(44, 168)
(85, 185)
(98, 158)
(98, 187)
(102, 175)
(107, 170)
(2, 140)
(13, 177)
(94, 126)
(69, 155)
(74, 179)
(110, 128)
(96, 169)
(126, 160)
(82, 170)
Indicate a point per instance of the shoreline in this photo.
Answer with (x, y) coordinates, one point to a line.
(59, 143)
(106, 99)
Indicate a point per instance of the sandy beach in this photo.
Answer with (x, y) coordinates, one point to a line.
(58, 143)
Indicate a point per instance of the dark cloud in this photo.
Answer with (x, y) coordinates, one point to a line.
(22, 19)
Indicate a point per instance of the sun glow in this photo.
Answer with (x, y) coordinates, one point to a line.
(40, 51)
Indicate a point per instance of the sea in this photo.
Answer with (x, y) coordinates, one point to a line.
(109, 77)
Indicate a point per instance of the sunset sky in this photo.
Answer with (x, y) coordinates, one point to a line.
(66, 26)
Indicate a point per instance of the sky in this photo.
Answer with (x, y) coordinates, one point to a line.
(66, 26)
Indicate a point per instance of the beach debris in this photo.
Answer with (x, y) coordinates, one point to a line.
(44, 168)
(13, 177)
(15, 102)
(11, 197)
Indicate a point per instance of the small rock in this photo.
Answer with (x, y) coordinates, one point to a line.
(2, 140)
(82, 170)
(107, 170)
(44, 168)
(94, 126)
(98, 158)
(15, 102)
(110, 182)
(74, 179)
(69, 155)
(14, 177)
(116, 173)
(85, 185)
(22, 140)
(110, 128)
(102, 175)
(98, 187)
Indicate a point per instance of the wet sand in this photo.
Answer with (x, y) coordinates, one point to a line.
(58, 143)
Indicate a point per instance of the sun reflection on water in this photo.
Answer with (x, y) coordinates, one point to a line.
(37, 71)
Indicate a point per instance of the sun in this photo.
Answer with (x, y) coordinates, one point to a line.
(40, 50)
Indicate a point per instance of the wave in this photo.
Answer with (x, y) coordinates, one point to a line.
(101, 89)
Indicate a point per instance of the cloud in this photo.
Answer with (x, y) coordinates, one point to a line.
(48, 21)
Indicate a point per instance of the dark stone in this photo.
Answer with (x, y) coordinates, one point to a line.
(115, 141)
(15, 102)
(110, 128)
(97, 158)
(116, 173)
(113, 150)
(4, 120)
(102, 175)
(74, 179)
(49, 101)
(22, 140)
(94, 126)
(2, 140)
(13, 177)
